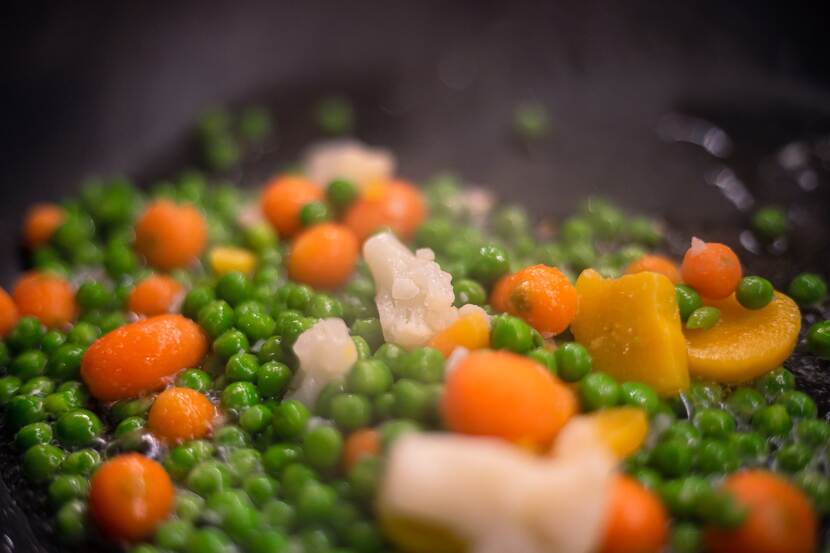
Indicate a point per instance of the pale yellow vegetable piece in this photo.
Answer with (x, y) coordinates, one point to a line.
(745, 343)
(631, 327)
(224, 259)
(623, 429)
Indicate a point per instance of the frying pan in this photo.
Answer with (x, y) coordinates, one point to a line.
(633, 88)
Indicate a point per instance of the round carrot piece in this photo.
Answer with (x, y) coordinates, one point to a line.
(48, 297)
(129, 496)
(655, 264)
(635, 521)
(541, 295)
(40, 223)
(170, 235)
(142, 357)
(501, 394)
(180, 414)
(394, 204)
(712, 269)
(154, 295)
(8, 312)
(359, 444)
(323, 256)
(780, 519)
(283, 199)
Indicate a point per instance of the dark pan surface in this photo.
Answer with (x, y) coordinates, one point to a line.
(114, 90)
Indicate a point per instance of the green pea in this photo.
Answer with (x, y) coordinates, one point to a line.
(294, 477)
(271, 350)
(216, 318)
(290, 419)
(322, 447)
(703, 318)
(793, 457)
(411, 400)
(92, 294)
(42, 461)
(82, 462)
(773, 420)
(37, 386)
(775, 382)
(65, 362)
(599, 390)
(188, 505)
(361, 286)
(640, 395)
(230, 342)
(120, 259)
(83, 334)
(209, 477)
(324, 306)
(29, 364)
(239, 395)
(362, 347)
(132, 408)
(127, 427)
(815, 433)
(544, 357)
(196, 299)
(672, 458)
(383, 406)
(356, 307)
(208, 540)
(26, 334)
(511, 333)
(750, 445)
(315, 503)
(111, 321)
(717, 457)
(371, 377)
(71, 520)
(23, 410)
(314, 213)
(683, 431)
(369, 330)
(195, 379)
(66, 487)
(683, 495)
(278, 514)
(754, 292)
(242, 366)
(340, 193)
(255, 418)
(9, 386)
(230, 437)
(688, 300)
(244, 461)
(649, 478)
(351, 411)
(78, 428)
(256, 326)
(770, 223)
(714, 423)
(364, 477)
(490, 263)
(468, 291)
(686, 537)
(33, 434)
(817, 488)
(808, 289)
(293, 328)
(297, 296)
(173, 534)
(272, 379)
(260, 488)
(323, 404)
(818, 339)
(423, 364)
(278, 456)
(798, 404)
(573, 361)
(745, 401)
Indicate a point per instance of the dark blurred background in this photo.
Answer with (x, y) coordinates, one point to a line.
(113, 87)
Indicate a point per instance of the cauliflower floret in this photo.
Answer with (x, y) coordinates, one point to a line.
(414, 296)
(547, 505)
(347, 159)
(326, 352)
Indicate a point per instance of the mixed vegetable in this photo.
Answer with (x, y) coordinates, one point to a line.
(344, 361)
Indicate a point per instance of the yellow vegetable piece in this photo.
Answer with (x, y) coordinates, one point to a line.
(225, 259)
(414, 536)
(468, 331)
(622, 429)
(745, 343)
(631, 327)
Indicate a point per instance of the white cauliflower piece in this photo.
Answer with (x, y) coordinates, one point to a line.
(497, 497)
(414, 296)
(347, 159)
(326, 352)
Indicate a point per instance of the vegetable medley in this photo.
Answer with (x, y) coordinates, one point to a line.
(344, 361)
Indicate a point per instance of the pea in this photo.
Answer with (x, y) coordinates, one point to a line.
(78, 428)
(242, 366)
(33, 434)
(196, 299)
(271, 350)
(683, 495)
(683, 431)
(362, 347)
(322, 447)
(290, 419)
(640, 395)
(754, 292)
(424, 365)
(255, 418)
(294, 477)
(490, 263)
(815, 433)
(817, 487)
(599, 391)
(82, 462)
(392, 356)
(314, 213)
(37, 386)
(42, 461)
(688, 300)
(208, 540)
(364, 477)
(383, 406)
(340, 193)
(544, 357)
(334, 116)
(278, 456)
(511, 333)
(65, 362)
(793, 457)
(315, 503)
(216, 317)
(173, 534)
(188, 505)
(231, 437)
(244, 461)
(355, 307)
(672, 458)
(749, 445)
(256, 326)
(773, 420)
(818, 339)
(411, 400)
(775, 382)
(71, 521)
(468, 291)
(703, 318)
(195, 379)
(573, 361)
(132, 408)
(293, 329)
(361, 286)
(714, 423)
(29, 364)
(686, 537)
(324, 306)
(278, 514)
(66, 487)
(26, 334)
(272, 379)
(770, 223)
(209, 477)
(23, 410)
(297, 296)
(9, 386)
(351, 411)
(120, 259)
(798, 404)
(92, 294)
(230, 342)
(370, 377)
(111, 321)
(808, 289)
(717, 457)
(239, 395)
(745, 401)
(369, 330)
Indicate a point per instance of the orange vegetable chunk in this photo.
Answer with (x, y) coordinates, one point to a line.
(359, 444)
(48, 297)
(394, 204)
(129, 496)
(142, 357)
(712, 269)
(655, 264)
(154, 295)
(41, 222)
(470, 331)
(636, 520)
(180, 414)
(283, 199)
(170, 235)
(8, 313)
(541, 295)
(323, 256)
